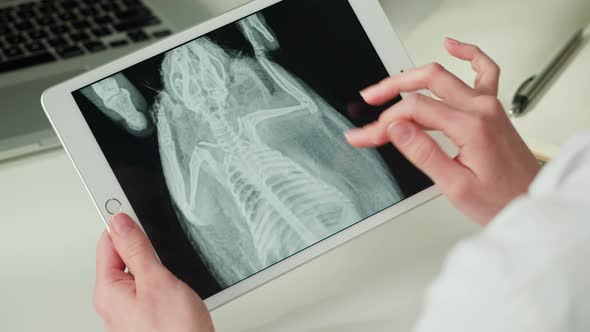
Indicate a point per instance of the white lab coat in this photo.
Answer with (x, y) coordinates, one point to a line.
(529, 270)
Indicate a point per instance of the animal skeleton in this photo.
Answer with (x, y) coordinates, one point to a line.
(246, 197)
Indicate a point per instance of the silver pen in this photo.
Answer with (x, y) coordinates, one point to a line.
(530, 89)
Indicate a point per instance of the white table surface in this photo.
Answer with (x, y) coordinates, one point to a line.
(374, 283)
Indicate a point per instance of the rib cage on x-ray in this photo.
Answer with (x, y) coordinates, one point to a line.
(255, 161)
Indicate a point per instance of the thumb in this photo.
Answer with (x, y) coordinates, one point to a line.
(422, 151)
(133, 246)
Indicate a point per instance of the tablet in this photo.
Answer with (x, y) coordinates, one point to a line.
(226, 142)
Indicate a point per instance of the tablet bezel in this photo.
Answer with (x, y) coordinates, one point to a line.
(102, 185)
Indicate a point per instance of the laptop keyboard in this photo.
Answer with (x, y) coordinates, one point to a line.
(46, 31)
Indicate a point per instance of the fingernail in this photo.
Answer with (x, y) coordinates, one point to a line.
(400, 132)
(352, 133)
(362, 93)
(453, 41)
(365, 93)
(121, 224)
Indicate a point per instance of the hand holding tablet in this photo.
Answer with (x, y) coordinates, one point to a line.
(152, 299)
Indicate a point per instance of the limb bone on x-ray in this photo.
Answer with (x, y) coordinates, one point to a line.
(255, 162)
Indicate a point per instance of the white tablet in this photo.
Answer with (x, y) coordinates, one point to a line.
(226, 141)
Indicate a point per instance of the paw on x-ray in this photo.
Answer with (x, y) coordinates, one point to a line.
(121, 101)
(255, 162)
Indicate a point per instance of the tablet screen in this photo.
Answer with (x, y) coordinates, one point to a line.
(231, 147)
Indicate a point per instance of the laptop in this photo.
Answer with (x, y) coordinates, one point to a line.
(43, 42)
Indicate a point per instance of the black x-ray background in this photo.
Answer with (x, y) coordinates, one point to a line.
(322, 43)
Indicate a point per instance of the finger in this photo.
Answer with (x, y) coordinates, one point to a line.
(488, 72)
(114, 289)
(424, 111)
(109, 266)
(420, 149)
(433, 77)
(133, 247)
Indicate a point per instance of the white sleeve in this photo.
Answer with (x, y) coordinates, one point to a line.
(529, 270)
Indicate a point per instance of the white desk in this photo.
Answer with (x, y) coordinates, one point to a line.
(49, 227)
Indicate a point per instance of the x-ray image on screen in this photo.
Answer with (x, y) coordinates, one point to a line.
(252, 158)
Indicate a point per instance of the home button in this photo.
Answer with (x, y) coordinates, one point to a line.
(113, 206)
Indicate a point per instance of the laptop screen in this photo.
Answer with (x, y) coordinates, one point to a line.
(231, 147)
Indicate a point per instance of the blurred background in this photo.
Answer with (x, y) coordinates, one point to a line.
(49, 227)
